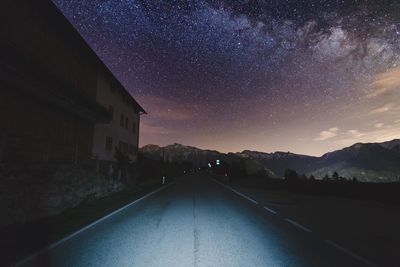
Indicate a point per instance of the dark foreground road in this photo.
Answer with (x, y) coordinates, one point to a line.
(194, 222)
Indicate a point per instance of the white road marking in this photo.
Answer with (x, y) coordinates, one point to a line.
(348, 252)
(246, 197)
(55, 244)
(237, 192)
(298, 225)
(303, 228)
(270, 210)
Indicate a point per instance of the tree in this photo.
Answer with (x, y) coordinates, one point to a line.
(312, 178)
(326, 177)
(238, 169)
(335, 176)
(291, 175)
(354, 179)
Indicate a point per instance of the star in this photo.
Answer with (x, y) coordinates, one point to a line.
(224, 65)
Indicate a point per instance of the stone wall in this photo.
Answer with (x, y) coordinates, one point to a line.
(32, 192)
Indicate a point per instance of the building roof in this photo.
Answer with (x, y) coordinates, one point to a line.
(58, 18)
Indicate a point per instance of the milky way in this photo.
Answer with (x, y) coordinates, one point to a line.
(300, 76)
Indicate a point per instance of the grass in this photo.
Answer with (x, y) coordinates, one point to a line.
(387, 193)
(19, 241)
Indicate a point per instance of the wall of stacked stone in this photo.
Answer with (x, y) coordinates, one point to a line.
(28, 193)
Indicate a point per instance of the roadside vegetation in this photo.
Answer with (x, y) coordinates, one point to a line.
(330, 185)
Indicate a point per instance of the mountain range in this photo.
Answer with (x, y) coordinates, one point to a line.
(369, 162)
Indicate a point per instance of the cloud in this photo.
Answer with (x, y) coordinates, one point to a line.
(355, 133)
(351, 137)
(382, 109)
(346, 141)
(385, 83)
(325, 135)
(376, 134)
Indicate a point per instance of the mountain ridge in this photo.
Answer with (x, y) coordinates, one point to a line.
(370, 162)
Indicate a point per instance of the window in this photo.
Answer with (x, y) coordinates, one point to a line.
(121, 121)
(109, 143)
(126, 123)
(111, 111)
(134, 127)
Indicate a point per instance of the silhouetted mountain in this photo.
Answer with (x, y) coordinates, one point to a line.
(279, 161)
(372, 162)
(393, 145)
(180, 153)
(199, 157)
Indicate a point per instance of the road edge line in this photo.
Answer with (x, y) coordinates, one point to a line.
(350, 253)
(237, 192)
(270, 210)
(68, 237)
(298, 225)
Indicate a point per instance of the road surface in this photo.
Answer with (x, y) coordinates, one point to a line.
(196, 222)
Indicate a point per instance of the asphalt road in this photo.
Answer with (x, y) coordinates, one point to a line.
(195, 222)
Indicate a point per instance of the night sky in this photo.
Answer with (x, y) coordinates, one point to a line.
(306, 76)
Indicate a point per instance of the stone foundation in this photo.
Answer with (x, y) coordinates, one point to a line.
(29, 193)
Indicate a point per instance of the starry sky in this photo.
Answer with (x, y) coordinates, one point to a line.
(306, 76)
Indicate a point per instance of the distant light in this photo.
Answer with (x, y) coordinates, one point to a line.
(217, 162)
(209, 165)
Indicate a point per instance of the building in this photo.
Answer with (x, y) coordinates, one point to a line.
(122, 131)
(56, 96)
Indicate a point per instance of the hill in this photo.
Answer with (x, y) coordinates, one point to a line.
(368, 162)
(278, 162)
(178, 153)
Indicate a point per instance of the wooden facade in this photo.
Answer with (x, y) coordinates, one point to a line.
(48, 86)
(33, 131)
